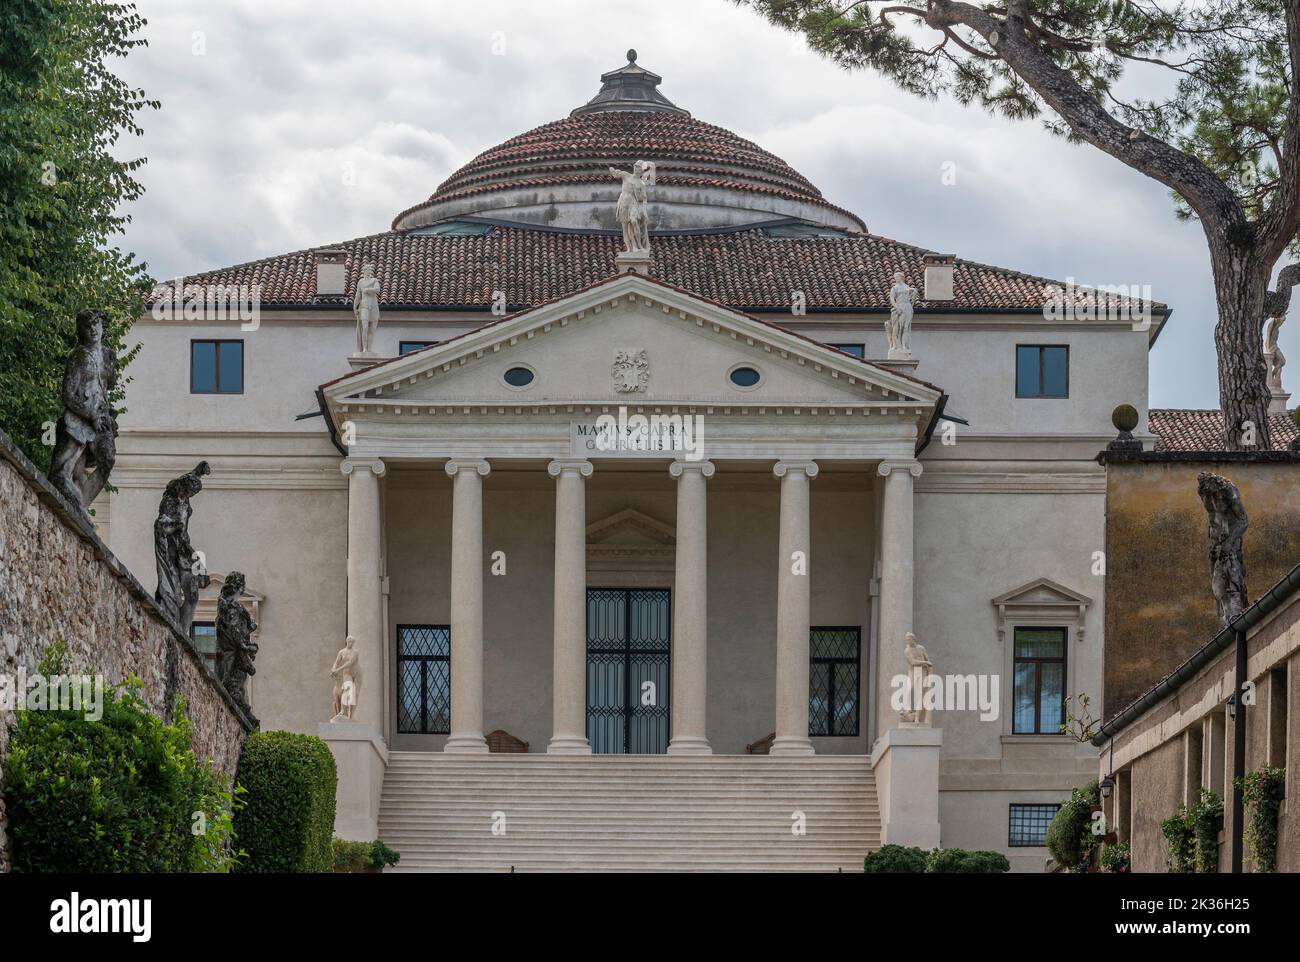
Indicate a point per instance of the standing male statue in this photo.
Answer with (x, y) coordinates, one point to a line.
(633, 207)
(898, 329)
(235, 647)
(1273, 354)
(182, 573)
(85, 445)
(1228, 523)
(365, 305)
(347, 681)
(918, 670)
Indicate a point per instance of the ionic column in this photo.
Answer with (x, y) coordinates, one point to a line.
(793, 609)
(467, 606)
(690, 610)
(569, 729)
(896, 582)
(365, 603)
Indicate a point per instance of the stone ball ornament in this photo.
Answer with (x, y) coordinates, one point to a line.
(1124, 417)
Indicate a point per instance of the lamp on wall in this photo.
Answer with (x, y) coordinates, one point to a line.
(1107, 786)
(1232, 706)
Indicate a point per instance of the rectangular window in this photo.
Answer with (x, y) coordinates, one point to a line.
(1039, 670)
(216, 367)
(1029, 824)
(204, 636)
(834, 670)
(424, 679)
(857, 350)
(408, 347)
(1042, 370)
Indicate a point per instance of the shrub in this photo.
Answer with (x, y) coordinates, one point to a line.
(121, 794)
(1070, 838)
(1192, 835)
(287, 819)
(1262, 793)
(894, 859)
(1116, 858)
(352, 856)
(957, 860)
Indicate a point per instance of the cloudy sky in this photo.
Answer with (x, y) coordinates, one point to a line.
(288, 124)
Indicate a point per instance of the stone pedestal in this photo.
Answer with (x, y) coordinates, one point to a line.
(361, 757)
(1277, 402)
(633, 262)
(903, 363)
(905, 762)
(364, 360)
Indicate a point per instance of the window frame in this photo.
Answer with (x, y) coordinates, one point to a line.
(1064, 662)
(840, 346)
(422, 659)
(856, 661)
(1040, 396)
(402, 345)
(216, 364)
(209, 657)
(1011, 810)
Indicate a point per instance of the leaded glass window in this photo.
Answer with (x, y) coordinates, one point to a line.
(424, 679)
(833, 674)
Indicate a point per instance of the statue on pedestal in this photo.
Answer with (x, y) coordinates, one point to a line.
(919, 669)
(365, 305)
(898, 329)
(1228, 524)
(633, 207)
(85, 440)
(1273, 354)
(235, 647)
(347, 681)
(182, 571)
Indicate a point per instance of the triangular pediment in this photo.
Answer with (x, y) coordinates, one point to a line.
(1042, 591)
(630, 528)
(635, 341)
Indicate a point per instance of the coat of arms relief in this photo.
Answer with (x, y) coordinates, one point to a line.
(630, 371)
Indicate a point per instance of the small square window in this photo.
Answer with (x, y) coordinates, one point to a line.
(1029, 825)
(216, 367)
(1042, 370)
(857, 350)
(410, 347)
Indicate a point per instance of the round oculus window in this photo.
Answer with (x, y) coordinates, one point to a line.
(744, 377)
(519, 377)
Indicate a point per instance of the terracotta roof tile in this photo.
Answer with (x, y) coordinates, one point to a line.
(748, 269)
(1188, 429)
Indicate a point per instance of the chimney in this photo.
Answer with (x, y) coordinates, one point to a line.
(331, 274)
(938, 276)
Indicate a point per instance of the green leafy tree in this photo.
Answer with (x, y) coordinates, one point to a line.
(1224, 136)
(62, 112)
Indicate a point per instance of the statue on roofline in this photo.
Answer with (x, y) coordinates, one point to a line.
(85, 440)
(235, 647)
(633, 206)
(365, 305)
(182, 571)
(898, 329)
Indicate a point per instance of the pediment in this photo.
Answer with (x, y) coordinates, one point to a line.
(1042, 591)
(631, 340)
(1045, 601)
(630, 528)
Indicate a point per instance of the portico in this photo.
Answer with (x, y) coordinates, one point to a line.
(814, 413)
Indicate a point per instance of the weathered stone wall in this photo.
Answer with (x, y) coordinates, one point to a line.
(1159, 608)
(58, 581)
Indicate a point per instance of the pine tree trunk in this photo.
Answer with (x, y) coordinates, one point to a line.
(1241, 284)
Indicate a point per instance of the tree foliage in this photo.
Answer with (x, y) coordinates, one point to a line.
(62, 113)
(1199, 95)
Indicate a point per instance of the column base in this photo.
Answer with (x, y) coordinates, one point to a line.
(466, 743)
(689, 745)
(568, 745)
(791, 745)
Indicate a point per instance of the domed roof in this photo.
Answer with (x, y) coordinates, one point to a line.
(557, 174)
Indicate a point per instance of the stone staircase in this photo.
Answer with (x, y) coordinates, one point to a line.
(639, 813)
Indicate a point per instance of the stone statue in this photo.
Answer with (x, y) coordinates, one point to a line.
(1228, 523)
(85, 441)
(365, 305)
(182, 573)
(919, 669)
(235, 647)
(1273, 354)
(898, 328)
(633, 208)
(347, 681)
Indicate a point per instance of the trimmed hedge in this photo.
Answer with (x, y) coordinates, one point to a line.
(121, 794)
(287, 820)
(897, 859)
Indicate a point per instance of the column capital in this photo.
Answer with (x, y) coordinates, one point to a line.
(703, 468)
(456, 465)
(579, 466)
(374, 465)
(911, 466)
(782, 468)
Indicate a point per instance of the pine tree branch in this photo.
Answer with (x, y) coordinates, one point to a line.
(1280, 223)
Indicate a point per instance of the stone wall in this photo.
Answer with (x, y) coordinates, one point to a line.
(1159, 608)
(58, 581)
